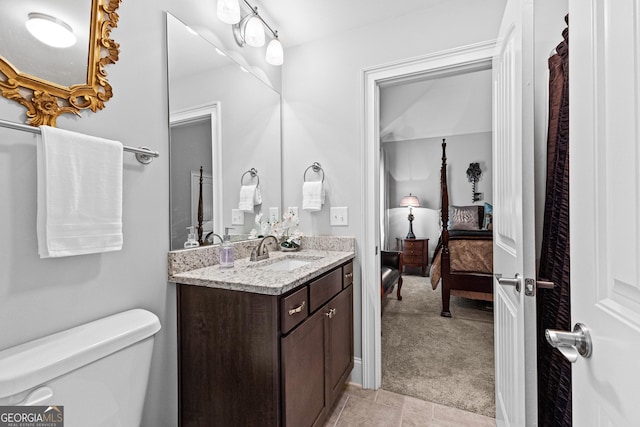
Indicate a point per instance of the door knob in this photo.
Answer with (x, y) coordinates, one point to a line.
(571, 344)
(516, 282)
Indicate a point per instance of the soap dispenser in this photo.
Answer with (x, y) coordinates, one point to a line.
(191, 239)
(226, 250)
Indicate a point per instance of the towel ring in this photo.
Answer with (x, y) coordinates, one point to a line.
(254, 174)
(316, 168)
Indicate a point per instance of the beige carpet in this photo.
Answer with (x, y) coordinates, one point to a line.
(442, 360)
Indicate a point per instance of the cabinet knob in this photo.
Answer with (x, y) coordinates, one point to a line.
(330, 313)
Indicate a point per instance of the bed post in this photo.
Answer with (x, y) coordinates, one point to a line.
(445, 260)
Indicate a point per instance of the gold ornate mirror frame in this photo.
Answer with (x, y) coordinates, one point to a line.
(45, 100)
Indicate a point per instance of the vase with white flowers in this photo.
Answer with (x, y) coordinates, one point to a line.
(283, 229)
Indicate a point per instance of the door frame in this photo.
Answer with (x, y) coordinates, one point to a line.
(474, 57)
(212, 112)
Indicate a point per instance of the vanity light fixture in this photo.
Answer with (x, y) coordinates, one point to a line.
(250, 30)
(50, 30)
(229, 11)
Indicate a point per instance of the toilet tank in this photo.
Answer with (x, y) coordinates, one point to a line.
(97, 371)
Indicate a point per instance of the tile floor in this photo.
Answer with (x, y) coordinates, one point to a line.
(371, 408)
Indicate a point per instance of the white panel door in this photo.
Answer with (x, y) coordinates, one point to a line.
(604, 84)
(514, 244)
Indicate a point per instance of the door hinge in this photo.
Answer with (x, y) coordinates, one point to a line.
(530, 286)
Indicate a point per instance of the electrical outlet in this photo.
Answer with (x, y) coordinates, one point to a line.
(237, 217)
(340, 216)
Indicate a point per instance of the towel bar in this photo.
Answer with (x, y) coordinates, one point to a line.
(143, 154)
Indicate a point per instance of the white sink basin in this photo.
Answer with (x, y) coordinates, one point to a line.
(286, 264)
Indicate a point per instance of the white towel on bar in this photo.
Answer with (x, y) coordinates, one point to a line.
(250, 196)
(312, 195)
(79, 189)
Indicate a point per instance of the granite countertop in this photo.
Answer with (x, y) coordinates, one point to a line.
(250, 276)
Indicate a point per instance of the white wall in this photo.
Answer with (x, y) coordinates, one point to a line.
(39, 297)
(322, 103)
(414, 167)
(250, 134)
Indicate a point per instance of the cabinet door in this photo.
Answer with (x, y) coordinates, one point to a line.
(228, 358)
(303, 355)
(340, 341)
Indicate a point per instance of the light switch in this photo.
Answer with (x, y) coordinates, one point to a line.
(340, 216)
(274, 213)
(237, 217)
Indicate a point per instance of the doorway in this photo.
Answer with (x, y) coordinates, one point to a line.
(194, 142)
(456, 61)
(448, 361)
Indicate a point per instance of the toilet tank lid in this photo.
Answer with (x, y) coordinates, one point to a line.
(35, 362)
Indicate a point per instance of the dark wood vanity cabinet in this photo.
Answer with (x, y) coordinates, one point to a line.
(261, 360)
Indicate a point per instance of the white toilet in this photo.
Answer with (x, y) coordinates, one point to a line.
(97, 371)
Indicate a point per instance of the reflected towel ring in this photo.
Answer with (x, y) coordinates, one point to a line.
(254, 174)
(316, 168)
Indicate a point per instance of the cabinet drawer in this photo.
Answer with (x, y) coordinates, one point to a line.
(410, 245)
(411, 259)
(411, 253)
(323, 289)
(294, 309)
(347, 275)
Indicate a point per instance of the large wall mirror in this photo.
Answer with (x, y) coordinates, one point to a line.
(226, 121)
(53, 55)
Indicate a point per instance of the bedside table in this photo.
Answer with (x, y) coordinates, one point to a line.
(415, 252)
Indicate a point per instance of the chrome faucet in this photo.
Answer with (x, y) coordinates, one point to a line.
(213, 238)
(260, 252)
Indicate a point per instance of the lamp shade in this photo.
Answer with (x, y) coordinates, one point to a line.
(229, 11)
(275, 54)
(254, 32)
(410, 200)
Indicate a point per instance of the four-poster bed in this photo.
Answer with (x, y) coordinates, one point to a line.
(463, 259)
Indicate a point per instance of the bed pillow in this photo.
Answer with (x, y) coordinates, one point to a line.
(487, 223)
(463, 218)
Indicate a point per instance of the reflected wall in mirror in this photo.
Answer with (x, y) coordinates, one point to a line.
(225, 120)
(47, 78)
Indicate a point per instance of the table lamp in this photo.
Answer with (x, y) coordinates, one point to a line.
(411, 201)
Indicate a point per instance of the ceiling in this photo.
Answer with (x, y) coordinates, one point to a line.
(62, 66)
(299, 22)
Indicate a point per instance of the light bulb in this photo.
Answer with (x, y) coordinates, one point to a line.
(275, 54)
(50, 30)
(229, 11)
(254, 32)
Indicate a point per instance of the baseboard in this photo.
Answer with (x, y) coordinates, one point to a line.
(356, 372)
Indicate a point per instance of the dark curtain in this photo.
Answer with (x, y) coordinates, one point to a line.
(553, 306)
